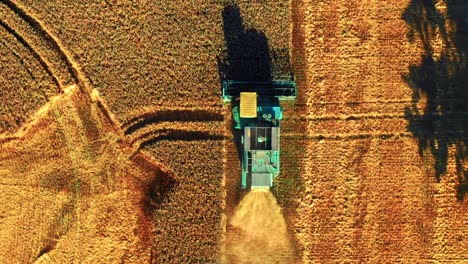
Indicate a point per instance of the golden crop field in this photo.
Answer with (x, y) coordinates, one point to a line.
(115, 145)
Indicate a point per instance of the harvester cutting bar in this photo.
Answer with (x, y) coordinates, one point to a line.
(283, 90)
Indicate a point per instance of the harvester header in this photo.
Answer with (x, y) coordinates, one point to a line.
(281, 90)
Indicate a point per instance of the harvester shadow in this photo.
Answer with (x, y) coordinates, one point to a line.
(443, 81)
(246, 57)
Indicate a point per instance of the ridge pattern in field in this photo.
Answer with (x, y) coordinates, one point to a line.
(357, 185)
(369, 189)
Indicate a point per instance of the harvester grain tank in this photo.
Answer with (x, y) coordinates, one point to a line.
(257, 113)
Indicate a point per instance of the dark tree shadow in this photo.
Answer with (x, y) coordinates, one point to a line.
(442, 81)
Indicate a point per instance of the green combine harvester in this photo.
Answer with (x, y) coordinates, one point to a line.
(257, 113)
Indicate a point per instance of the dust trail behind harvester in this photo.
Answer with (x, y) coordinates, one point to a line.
(257, 231)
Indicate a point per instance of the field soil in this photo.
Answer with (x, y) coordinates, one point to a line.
(115, 146)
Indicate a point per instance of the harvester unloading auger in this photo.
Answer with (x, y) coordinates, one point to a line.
(257, 112)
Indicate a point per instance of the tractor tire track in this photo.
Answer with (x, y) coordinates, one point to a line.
(173, 124)
(71, 66)
(170, 114)
(50, 52)
(176, 131)
(42, 61)
(65, 69)
(38, 43)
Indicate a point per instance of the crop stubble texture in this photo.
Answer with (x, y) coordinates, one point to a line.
(142, 55)
(27, 82)
(70, 194)
(353, 179)
(102, 218)
(370, 194)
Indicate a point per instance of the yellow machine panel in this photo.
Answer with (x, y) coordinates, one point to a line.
(248, 104)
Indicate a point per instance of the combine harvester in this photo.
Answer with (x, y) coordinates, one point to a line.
(257, 113)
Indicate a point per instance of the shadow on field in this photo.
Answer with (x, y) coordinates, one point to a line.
(60, 226)
(157, 185)
(157, 190)
(442, 80)
(247, 55)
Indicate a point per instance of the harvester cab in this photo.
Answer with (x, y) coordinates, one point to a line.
(257, 113)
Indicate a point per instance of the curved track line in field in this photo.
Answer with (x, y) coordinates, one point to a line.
(177, 131)
(72, 66)
(184, 115)
(43, 62)
(180, 115)
(177, 134)
(180, 135)
(146, 133)
(64, 54)
(50, 38)
(19, 58)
